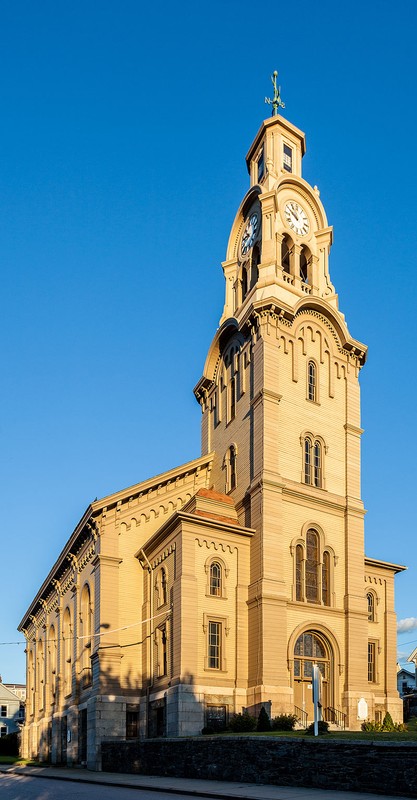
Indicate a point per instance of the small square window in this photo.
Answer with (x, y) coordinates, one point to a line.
(287, 158)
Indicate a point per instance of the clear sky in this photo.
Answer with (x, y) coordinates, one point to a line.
(124, 131)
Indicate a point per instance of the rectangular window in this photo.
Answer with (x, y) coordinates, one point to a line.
(371, 662)
(3, 730)
(287, 158)
(261, 165)
(132, 724)
(214, 645)
(3, 711)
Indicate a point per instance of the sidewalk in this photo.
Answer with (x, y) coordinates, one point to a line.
(190, 786)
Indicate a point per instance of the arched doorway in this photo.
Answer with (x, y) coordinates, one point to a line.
(312, 648)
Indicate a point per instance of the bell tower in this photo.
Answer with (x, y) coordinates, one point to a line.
(281, 411)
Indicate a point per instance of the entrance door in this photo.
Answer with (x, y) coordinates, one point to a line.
(311, 648)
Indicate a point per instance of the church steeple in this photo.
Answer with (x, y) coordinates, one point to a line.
(280, 240)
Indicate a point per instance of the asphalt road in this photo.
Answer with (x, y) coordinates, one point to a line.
(21, 787)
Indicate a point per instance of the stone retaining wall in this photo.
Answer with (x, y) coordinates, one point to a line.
(380, 767)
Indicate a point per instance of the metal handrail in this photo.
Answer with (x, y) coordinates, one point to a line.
(335, 716)
(301, 715)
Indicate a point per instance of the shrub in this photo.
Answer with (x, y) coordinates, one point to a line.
(208, 731)
(387, 726)
(242, 723)
(323, 727)
(264, 723)
(284, 722)
(9, 744)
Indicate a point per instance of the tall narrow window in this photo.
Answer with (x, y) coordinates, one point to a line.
(41, 669)
(261, 165)
(371, 662)
(287, 158)
(161, 643)
(52, 662)
(312, 566)
(303, 267)
(325, 579)
(214, 644)
(317, 464)
(371, 606)
(285, 254)
(232, 398)
(256, 258)
(161, 587)
(232, 468)
(215, 579)
(307, 459)
(299, 572)
(67, 648)
(244, 282)
(311, 381)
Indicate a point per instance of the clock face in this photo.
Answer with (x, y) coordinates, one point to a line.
(296, 218)
(250, 233)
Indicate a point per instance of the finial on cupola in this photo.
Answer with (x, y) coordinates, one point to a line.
(276, 101)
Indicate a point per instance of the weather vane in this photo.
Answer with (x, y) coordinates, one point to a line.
(276, 101)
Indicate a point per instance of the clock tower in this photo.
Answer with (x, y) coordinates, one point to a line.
(281, 412)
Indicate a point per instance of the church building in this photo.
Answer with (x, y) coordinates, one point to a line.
(216, 586)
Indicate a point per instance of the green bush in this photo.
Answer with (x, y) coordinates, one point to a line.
(264, 723)
(387, 726)
(242, 723)
(208, 731)
(323, 727)
(284, 722)
(9, 745)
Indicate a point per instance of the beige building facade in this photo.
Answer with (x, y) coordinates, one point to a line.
(216, 586)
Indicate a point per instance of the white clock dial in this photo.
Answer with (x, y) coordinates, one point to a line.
(296, 218)
(250, 233)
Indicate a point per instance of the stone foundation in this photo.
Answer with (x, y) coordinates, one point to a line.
(379, 767)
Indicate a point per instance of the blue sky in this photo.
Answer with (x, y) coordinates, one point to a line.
(123, 139)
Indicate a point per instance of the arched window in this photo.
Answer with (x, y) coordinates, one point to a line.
(312, 381)
(162, 587)
(303, 267)
(256, 258)
(317, 464)
(232, 398)
(312, 461)
(307, 459)
(299, 554)
(286, 247)
(87, 630)
(40, 674)
(31, 683)
(52, 652)
(244, 282)
(229, 465)
(215, 579)
(370, 597)
(67, 651)
(312, 566)
(325, 579)
(232, 459)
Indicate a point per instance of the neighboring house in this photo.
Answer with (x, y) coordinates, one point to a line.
(217, 585)
(19, 689)
(11, 711)
(406, 681)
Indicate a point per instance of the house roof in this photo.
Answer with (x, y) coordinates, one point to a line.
(7, 694)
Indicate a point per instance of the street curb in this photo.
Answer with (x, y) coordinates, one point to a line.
(84, 779)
